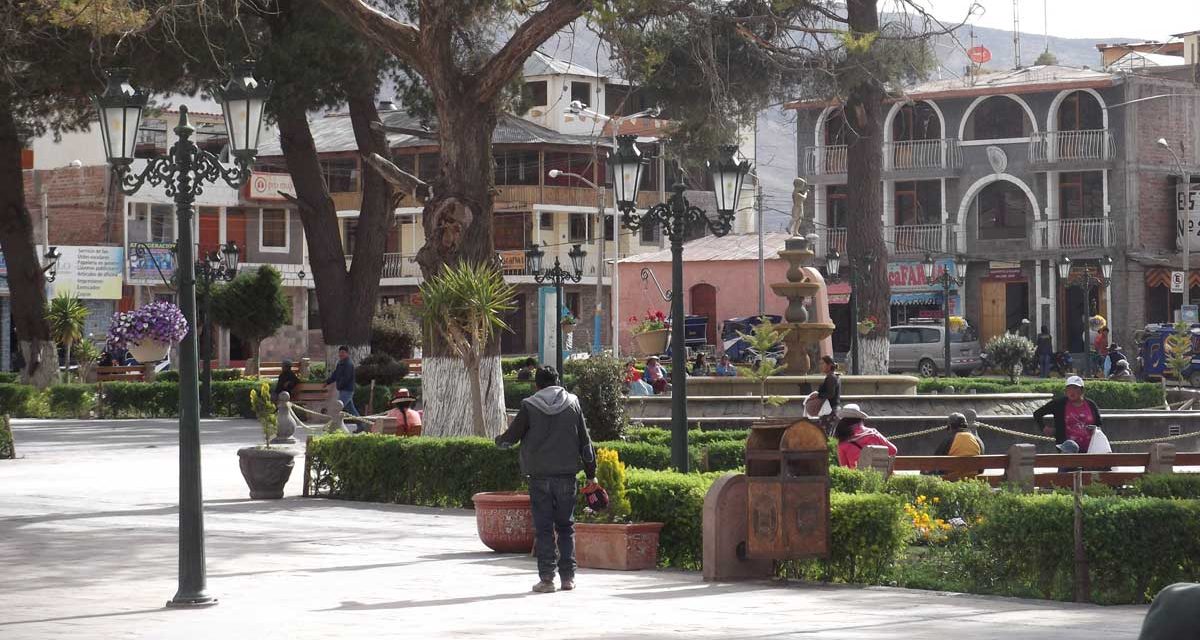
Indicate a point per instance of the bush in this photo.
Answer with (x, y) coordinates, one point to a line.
(217, 374)
(231, 398)
(1008, 351)
(362, 393)
(6, 440)
(610, 474)
(1106, 394)
(598, 382)
(509, 366)
(395, 332)
(638, 455)
(71, 400)
(1168, 485)
(868, 534)
(651, 435)
(963, 499)
(722, 455)
(15, 398)
(436, 472)
(847, 480)
(317, 372)
(677, 501)
(515, 391)
(381, 368)
(8, 377)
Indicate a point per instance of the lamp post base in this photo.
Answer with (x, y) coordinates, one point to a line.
(195, 601)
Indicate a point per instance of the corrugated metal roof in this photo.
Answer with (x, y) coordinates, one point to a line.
(540, 64)
(711, 248)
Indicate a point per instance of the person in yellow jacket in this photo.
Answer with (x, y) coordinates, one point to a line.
(959, 442)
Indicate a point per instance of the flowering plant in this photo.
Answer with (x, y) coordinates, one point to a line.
(569, 318)
(158, 321)
(928, 530)
(1098, 322)
(957, 323)
(654, 321)
(867, 325)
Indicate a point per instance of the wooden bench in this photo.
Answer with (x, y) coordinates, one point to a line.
(414, 366)
(312, 396)
(273, 369)
(135, 373)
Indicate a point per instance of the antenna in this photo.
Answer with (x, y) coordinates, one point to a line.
(1046, 23)
(1016, 34)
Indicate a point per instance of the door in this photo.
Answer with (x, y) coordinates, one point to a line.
(1016, 308)
(994, 315)
(513, 342)
(704, 303)
(235, 229)
(210, 231)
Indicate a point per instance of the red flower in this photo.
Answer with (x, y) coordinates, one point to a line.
(633, 319)
(658, 315)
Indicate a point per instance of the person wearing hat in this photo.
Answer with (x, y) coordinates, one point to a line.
(960, 442)
(1073, 413)
(408, 422)
(655, 375)
(1121, 372)
(287, 380)
(853, 435)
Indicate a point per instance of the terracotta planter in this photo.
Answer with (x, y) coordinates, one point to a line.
(148, 351)
(266, 470)
(652, 343)
(624, 547)
(504, 521)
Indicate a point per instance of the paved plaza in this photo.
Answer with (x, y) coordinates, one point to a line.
(88, 550)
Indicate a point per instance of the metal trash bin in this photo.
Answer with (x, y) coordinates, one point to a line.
(787, 474)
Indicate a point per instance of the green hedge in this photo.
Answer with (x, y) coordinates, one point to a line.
(1106, 394)
(963, 499)
(71, 400)
(15, 399)
(723, 455)
(719, 455)
(8, 377)
(656, 435)
(217, 374)
(1168, 485)
(847, 480)
(676, 500)
(161, 399)
(868, 534)
(437, 472)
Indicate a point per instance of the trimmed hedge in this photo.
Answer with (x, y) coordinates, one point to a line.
(1168, 485)
(1106, 394)
(15, 399)
(217, 374)
(71, 400)
(963, 499)
(868, 535)
(8, 377)
(676, 500)
(847, 480)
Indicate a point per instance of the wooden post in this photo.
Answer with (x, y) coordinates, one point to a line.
(307, 467)
(1083, 586)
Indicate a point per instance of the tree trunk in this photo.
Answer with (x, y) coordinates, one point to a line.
(26, 284)
(863, 112)
(478, 427)
(445, 413)
(67, 363)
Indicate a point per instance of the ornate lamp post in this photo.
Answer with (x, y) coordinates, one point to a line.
(217, 266)
(946, 279)
(558, 275)
(675, 216)
(184, 171)
(1086, 281)
(833, 267)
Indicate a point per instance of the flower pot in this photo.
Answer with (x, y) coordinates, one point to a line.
(651, 343)
(864, 330)
(266, 470)
(624, 547)
(148, 350)
(504, 521)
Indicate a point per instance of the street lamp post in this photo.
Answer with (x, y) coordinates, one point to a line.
(598, 311)
(675, 216)
(184, 171)
(946, 279)
(558, 275)
(1183, 219)
(1085, 282)
(219, 265)
(833, 267)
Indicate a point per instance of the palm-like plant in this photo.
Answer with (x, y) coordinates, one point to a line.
(466, 304)
(66, 315)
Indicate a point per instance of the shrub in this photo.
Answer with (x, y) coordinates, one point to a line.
(317, 372)
(1008, 351)
(1137, 546)
(252, 306)
(436, 472)
(722, 455)
(847, 480)
(1107, 394)
(231, 398)
(8, 377)
(1168, 485)
(217, 374)
(677, 501)
(71, 400)
(610, 473)
(1026, 544)
(651, 435)
(639, 455)
(15, 398)
(868, 535)
(963, 499)
(395, 332)
(380, 367)
(509, 366)
(7, 452)
(515, 391)
(598, 382)
(378, 403)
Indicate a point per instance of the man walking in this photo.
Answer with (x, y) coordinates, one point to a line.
(554, 442)
(343, 378)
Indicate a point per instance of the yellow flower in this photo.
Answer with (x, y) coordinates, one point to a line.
(936, 499)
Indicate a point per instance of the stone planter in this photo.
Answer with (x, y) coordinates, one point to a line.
(624, 547)
(504, 521)
(266, 470)
(148, 351)
(651, 343)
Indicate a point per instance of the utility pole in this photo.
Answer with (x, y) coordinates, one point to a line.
(762, 263)
(598, 322)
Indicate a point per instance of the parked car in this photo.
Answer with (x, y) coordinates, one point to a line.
(919, 347)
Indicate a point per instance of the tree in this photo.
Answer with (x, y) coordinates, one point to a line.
(1046, 57)
(1010, 352)
(66, 316)
(762, 340)
(465, 304)
(1178, 348)
(252, 306)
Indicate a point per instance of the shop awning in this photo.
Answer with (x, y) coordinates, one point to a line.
(917, 297)
(839, 293)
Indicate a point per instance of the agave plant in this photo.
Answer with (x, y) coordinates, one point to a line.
(466, 304)
(66, 316)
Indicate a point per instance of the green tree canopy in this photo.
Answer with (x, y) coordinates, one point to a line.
(252, 306)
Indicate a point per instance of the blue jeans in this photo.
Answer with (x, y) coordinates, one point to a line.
(1045, 360)
(552, 500)
(347, 398)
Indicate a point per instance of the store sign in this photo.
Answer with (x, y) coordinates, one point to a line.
(266, 186)
(512, 261)
(90, 273)
(910, 276)
(1176, 282)
(145, 266)
(1187, 207)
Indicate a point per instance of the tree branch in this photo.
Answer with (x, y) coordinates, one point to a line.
(527, 38)
(401, 39)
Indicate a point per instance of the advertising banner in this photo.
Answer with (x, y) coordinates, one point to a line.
(91, 273)
(142, 264)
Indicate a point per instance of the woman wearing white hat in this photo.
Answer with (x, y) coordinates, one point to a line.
(853, 435)
(1073, 415)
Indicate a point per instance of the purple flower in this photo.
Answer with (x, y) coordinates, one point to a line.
(158, 321)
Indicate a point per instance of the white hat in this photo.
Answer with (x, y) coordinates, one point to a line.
(1075, 381)
(851, 411)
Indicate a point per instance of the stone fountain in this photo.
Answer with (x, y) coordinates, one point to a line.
(803, 283)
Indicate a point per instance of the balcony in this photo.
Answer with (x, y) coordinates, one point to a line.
(513, 262)
(1073, 233)
(835, 240)
(922, 158)
(1073, 149)
(396, 265)
(917, 239)
(826, 161)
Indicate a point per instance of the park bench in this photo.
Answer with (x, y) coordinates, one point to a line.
(136, 373)
(414, 366)
(1021, 462)
(312, 396)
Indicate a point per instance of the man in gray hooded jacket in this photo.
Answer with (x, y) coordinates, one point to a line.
(554, 442)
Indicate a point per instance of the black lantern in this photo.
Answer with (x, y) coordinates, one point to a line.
(232, 255)
(627, 166)
(534, 256)
(960, 268)
(833, 264)
(1106, 264)
(120, 110)
(727, 175)
(576, 255)
(927, 266)
(1064, 268)
(243, 99)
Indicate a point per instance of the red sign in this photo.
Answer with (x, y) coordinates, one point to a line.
(979, 55)
(1008, 274)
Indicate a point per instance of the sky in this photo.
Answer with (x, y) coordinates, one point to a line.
(1148, 19)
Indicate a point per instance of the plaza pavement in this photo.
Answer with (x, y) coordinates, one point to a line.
(88, 550)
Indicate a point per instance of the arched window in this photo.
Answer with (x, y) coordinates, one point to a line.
(1080, 111)
(996, 118)
(1002, 211)
(836, 128)
(916, 121)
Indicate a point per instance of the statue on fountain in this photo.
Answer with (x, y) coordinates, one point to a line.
(801, 224)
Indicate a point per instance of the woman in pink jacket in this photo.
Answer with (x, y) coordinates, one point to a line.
(853, 435)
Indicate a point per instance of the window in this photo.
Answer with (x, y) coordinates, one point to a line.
(314, 313)
(510, 231)
(271, 165)
(546, 221)
(162, 223)
(578, 229)
(1002, 210)
(340, 174)
(273, 229)
(997, 118)
(836, 128)
(650, 234)
(535, 93)
(350, 232)
(836, 214)
(1080, 111)
(577, 163)
(581, 91)
(916, 122)
(429, 166)
(930, 336)
(516, 167)
(1081, 194)
(650, 153)
(609, 220)
(164, 297)
(918, 203)
(406, 162)
(571, 302)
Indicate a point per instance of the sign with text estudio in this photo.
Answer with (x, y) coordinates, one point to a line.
(1187, 207)
(90, 273)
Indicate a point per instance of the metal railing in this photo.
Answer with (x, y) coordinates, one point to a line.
(1072, 146)
(396, 265)
(916, 155)
(835, 240)
(825, 160)
(916, 238)
(1073, 233)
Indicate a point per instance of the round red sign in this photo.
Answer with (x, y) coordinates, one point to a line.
(979, 55)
